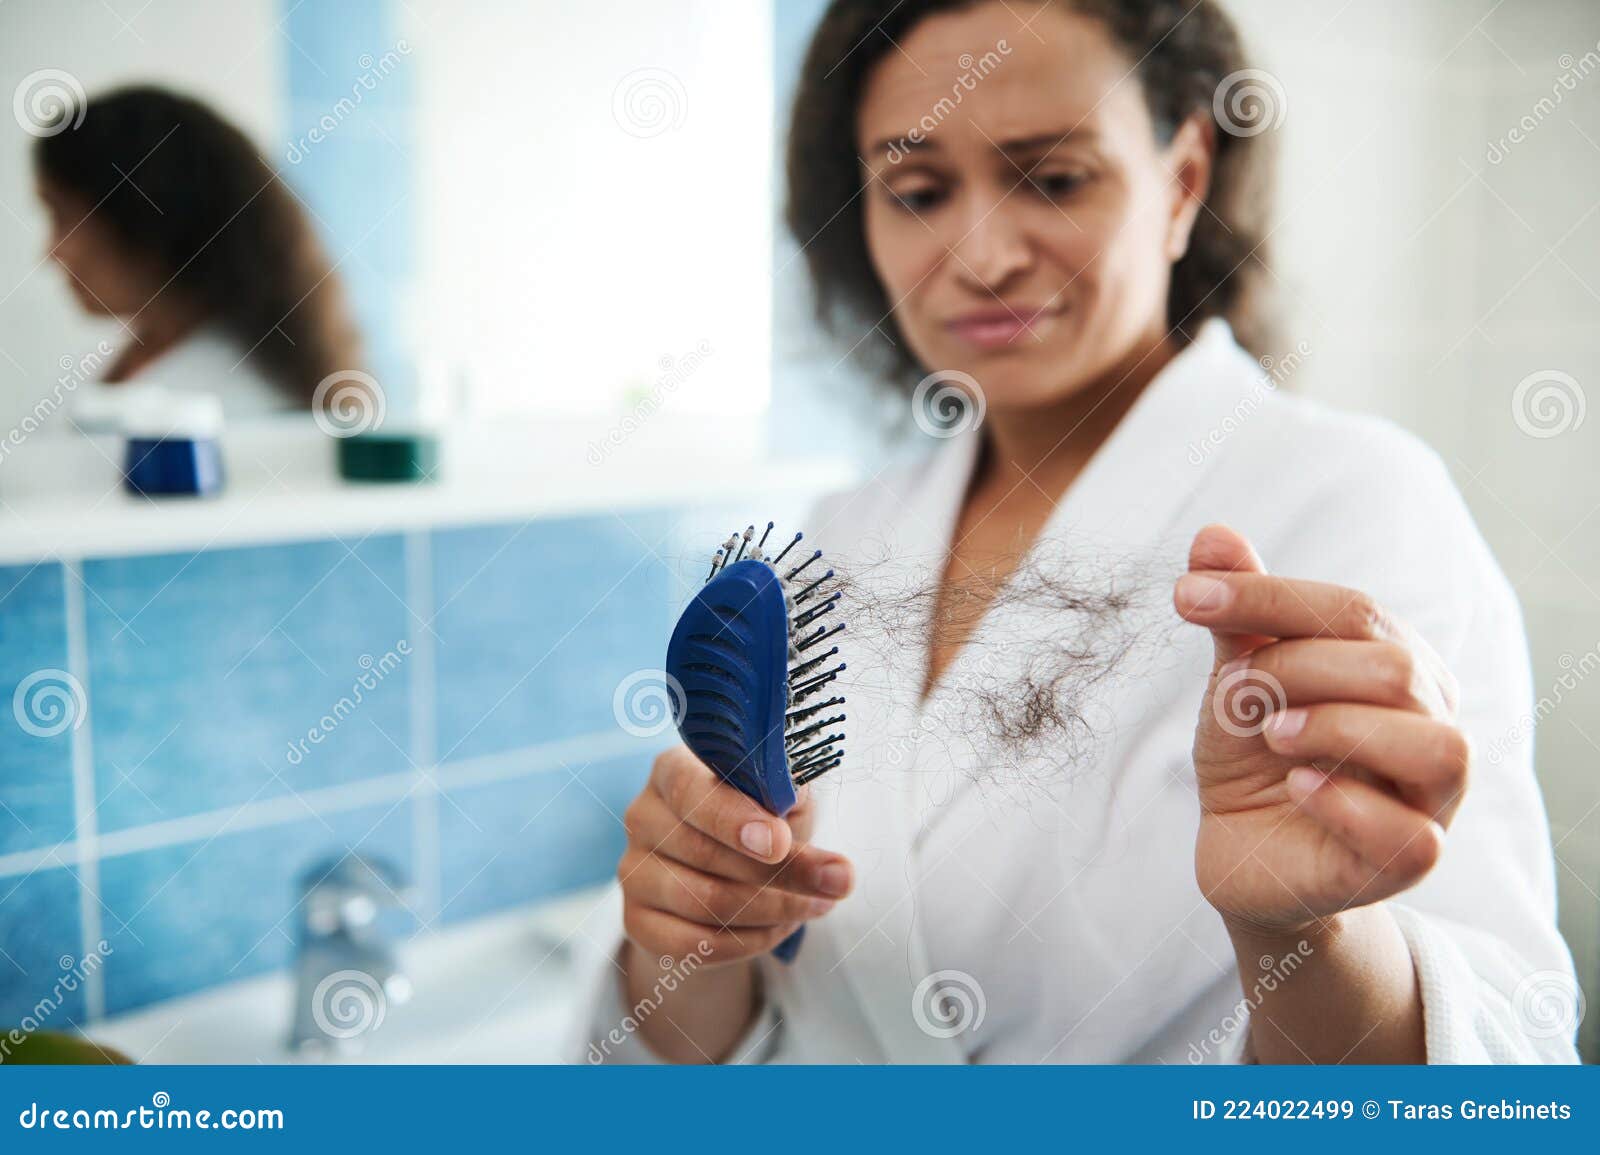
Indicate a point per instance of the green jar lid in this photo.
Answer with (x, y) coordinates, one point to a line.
(376, 456)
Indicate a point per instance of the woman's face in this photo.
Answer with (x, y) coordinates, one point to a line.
(103, 275)
(1021, 214)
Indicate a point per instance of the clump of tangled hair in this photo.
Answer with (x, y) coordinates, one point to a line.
(1181, 51)
(1009, 709)
(179, 185)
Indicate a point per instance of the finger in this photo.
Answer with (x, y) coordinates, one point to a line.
(1309, 670)
(1256, 604)
(1427, 760)
(697, 796)
(801, 814)
(1398, 843)
(670, 936)
(1219, 548)
(808, 869)
(724, 902)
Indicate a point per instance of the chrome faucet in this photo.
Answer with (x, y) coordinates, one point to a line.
(347, 976)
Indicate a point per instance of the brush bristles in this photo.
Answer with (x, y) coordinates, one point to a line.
(813, 748)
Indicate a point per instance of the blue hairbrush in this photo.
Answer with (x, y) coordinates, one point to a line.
(748, 655)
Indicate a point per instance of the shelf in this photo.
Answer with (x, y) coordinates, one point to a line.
(63, 498)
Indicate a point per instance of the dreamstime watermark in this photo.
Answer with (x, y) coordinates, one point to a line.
(674, 372)
(1548, 403)
(941, 716)
(74, 372)
(348, 1003)
(1249, 102)
(75, 972)
(1274, 372)
(348, 402)
(1574, 671)
(648, 702)
(1245, 700)
(49, 702)
(160, 1115)
(947, 403)
(1548, 1005)
(49, 102)
(973, 69)
(373, 672)
(373, 71)
(1573, 70)
(676, 972)
(648, 102)
(1274, 973)
(948, 1003)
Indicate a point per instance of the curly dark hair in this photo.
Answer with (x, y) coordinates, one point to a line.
(1183, 51)
(228, 235)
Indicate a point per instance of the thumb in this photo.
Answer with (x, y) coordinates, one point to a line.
(1219, 549)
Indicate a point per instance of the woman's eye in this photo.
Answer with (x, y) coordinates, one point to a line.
(917, 200)
(1057, 185)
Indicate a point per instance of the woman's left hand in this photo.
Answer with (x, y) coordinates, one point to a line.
(1327, 758)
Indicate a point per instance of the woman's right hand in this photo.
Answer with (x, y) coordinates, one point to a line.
(708, 873)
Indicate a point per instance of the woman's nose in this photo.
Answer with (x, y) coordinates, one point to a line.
(993, 249)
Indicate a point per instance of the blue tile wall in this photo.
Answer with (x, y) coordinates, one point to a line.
(202, 668)
(36, 807)
(538, 622)
(193, 915)
(39, 946)
(207, 667)
(507, 843)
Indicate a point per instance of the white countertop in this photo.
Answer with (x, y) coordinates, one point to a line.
(61, 494)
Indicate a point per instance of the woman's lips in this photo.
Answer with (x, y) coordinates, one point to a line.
(997, 328)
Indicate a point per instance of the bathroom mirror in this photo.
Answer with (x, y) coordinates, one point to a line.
(494, 211)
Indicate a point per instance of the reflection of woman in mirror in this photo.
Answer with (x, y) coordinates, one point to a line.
(165, 216)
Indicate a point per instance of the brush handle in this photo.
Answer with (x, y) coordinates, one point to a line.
(786, 950)
(789, 947)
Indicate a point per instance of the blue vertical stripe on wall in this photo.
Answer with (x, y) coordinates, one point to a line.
(351, 88)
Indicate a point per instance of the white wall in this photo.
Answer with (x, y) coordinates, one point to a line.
(1429, 282)
(226, 53)
(595, 188)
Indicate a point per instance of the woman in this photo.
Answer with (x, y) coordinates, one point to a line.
(163, 215)
(1016, 869)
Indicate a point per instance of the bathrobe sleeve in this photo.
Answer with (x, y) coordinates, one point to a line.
(612, 1033)
(1373, 509)
(607, 1027)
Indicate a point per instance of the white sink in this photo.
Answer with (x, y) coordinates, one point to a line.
(498, 990)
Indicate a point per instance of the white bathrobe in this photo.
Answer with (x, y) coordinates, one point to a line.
(1037, 902)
